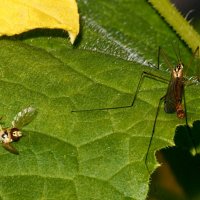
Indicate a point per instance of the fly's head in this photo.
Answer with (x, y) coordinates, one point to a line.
(8, 135)
(15, 133)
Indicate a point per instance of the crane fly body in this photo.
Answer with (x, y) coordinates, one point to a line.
(173, 97)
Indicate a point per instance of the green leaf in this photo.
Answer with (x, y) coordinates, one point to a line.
(89, 155)
(177, 21)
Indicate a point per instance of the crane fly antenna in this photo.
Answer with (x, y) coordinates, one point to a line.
(178, 55)
(164, 56)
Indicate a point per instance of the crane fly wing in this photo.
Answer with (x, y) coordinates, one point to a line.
(24, 117)
(170, 101)
(10, 148)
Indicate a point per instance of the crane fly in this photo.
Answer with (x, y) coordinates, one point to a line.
(172, 99)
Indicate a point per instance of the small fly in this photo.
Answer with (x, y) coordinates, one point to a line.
(13, 134)
(172, 99)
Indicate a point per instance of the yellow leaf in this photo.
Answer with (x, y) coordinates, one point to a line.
(17, 16)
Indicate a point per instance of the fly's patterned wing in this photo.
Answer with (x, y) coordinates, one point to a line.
(24, 117)
(10, 148)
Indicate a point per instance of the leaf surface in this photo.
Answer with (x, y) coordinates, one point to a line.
(89, 155)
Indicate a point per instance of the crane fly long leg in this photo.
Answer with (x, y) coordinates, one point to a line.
(143, 75)
(172, 98)
(153, 131)
(188, 127)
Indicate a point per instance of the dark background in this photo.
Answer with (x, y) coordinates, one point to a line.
(190, 9)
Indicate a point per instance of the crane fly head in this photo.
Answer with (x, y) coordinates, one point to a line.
(178, 71)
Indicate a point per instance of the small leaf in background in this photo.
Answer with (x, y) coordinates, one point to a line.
(180, 25)
(20, 16)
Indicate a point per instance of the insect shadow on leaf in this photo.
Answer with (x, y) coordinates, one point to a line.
(173, 97)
